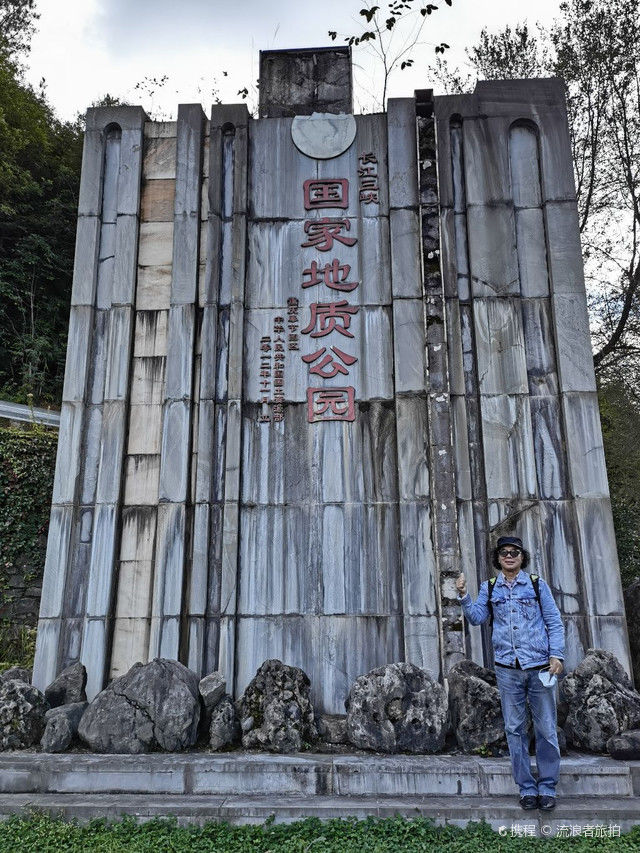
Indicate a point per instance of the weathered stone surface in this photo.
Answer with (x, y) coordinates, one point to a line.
(601, 701)
(211, 688)
(16, 673)
(68, 687)
(276, 711)
(323, 136)
(562, 740)
(305, 81)
(632, 606)
(332, 728)
(22, 710)
(625, 746)
(224, 729)
(476, 715)
(153, 706)
(397, 708)
(61, 726)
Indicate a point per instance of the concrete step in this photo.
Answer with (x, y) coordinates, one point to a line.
(303, 774)
(597, 816)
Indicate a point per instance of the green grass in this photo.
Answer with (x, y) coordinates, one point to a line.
(41, 834)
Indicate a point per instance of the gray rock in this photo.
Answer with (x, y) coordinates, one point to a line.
(625, 746)
(62, 726)
(68, 687)
(22, 710)
(224, 729)
(632, 606)
(601, 701)
(476, 715)
(397, 708)
(276, 711)
(562, 740)
(153, 706)
(211, 688)
(332, 728)
(16, 673)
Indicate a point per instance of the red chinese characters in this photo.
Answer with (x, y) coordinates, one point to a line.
(330, 404)
(334, 275)
(327, 234)
(329, 367)
(322, 233)
(327, 317)
(332, 192)
(266, 367)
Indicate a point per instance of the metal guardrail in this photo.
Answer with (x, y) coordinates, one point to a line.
(18, 412)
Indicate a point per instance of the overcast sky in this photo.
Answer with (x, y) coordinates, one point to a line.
(86, 48)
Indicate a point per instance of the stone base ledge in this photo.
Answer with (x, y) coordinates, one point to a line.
(302, 774)
(502, 813)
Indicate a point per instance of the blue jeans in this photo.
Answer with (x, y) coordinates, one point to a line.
(517, 687)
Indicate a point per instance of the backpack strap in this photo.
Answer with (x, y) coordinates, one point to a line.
(491, 583)
(535, 581)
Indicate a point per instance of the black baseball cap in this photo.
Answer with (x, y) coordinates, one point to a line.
(510, 540)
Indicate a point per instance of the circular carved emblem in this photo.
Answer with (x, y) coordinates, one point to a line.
(323, 135)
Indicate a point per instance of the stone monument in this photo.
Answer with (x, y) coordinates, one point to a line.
(315, 362)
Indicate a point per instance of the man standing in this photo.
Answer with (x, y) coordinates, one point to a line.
(528, 646)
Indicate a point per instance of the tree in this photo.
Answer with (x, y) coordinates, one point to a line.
(39, 179)
(620, 417)
(391, 32)
(595, 47)
(17, 25)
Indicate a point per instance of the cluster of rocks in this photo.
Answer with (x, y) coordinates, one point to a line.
(602, 708)
(395, 708)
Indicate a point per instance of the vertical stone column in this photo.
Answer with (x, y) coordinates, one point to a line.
(463, 374)
(214, 575)
(142, 464)
(441, 451)
(419, 582)
(174, 523)
(80, 571)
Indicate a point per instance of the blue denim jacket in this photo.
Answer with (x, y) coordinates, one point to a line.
(520, 630)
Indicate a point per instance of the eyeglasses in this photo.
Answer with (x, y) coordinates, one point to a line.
(509, 552)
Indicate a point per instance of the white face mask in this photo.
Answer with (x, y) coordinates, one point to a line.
(547, 678)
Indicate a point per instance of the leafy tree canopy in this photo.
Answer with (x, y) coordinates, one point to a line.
(17, 25)
(39, 178)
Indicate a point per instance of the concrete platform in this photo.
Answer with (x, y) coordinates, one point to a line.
(244, 787)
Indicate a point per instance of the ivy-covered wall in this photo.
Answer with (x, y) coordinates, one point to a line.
(27, 462)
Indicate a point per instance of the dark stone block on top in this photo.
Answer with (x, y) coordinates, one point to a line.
(306, 81)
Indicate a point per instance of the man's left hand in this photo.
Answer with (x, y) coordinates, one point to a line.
(555, 666)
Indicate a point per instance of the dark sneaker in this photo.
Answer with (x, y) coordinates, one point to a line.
(529, 802)
(546, 803)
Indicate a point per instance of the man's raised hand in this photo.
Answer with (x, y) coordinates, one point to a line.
(461, 584)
